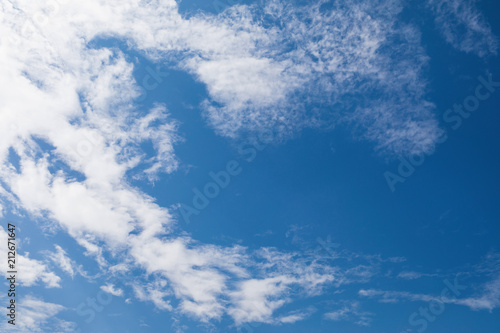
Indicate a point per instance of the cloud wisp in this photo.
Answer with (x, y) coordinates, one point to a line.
(464, 27)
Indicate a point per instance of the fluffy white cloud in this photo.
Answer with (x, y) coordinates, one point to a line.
(110, 289)
(255, 300)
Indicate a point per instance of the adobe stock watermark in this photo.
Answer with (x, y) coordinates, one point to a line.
(92, 306)
(327, 245)
(221, 179)
(453, 116)
(435, 307)
(151, 81)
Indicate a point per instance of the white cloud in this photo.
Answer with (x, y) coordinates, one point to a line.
(350, 311)
(30, 271)
(33, 315)
(394, 296)
(487, 299)
(353, 64)
(154, 292)
(255, 300)
(344, 59)
(464, 27)
(410, 275)
(61, 259)
(110, 289)
(210, 281)
(295, 316)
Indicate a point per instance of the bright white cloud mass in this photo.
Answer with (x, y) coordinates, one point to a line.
(73, 136)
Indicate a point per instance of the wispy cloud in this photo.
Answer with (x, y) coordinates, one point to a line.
(464, 27)
(61, 259)
(487, 299)
(296, 315)
(411, 275)
(322, 68)
(350, 311)
(36, 316)
(33, 271)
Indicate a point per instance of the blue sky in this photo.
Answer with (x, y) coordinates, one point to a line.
(251, 166)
